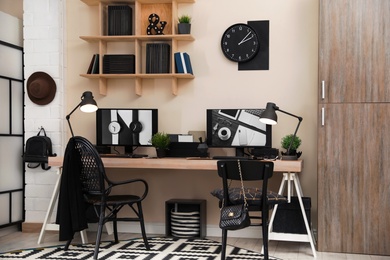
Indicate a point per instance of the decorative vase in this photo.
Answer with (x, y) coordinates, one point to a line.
(161, 152)
(184, 28)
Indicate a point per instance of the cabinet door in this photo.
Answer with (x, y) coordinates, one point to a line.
(354, 179)
(354, 57)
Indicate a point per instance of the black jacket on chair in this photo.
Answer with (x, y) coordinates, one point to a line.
(71, 212)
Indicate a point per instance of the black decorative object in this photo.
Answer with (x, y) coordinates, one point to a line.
(155, 27)
(261, 60)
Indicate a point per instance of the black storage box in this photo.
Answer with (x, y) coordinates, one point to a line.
(185, 149)
(289, 219)
(119, 64)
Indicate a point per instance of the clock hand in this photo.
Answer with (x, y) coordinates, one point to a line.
(244, 40)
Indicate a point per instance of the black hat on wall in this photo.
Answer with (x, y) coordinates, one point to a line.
(41, 88)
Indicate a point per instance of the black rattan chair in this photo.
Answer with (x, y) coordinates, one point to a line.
(251, 171)
(96, 189)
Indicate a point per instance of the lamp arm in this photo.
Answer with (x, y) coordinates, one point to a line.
(287, 113)
(295, 133)
(68, 118)
(296, 130)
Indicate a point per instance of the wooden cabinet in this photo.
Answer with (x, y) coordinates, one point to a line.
(354, 39)
(168, 11)
(354, 127)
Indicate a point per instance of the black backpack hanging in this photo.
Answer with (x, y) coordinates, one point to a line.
(38, 149)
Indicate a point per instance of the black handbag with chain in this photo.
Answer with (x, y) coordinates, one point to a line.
(235, 216)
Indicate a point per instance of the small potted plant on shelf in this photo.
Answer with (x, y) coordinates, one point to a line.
(184, 26)
(291, 151)
(161, 142)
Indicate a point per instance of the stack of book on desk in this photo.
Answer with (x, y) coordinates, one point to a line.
(158, 57)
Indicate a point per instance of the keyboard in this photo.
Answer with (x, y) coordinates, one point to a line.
(126, 155)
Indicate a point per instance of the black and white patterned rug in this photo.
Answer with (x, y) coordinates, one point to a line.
(160, 248)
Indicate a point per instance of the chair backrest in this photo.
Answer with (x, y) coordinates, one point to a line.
(92, 172)
(251, 170)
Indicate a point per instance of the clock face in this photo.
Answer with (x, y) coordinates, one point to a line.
(240, 43)
(114, 127)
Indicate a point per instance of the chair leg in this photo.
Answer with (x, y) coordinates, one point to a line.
(67, 244)
(99, 232)
(224, 242)
(114, 223)
(265, 233)
(142, 223)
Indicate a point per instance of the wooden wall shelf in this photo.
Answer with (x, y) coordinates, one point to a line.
(141, 9)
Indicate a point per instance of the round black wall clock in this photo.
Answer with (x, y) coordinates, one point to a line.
(240, 43)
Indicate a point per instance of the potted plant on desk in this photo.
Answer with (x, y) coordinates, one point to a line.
(291, 144)
(161, 142)
(184, 26)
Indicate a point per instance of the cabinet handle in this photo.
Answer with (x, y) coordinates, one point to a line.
(323, 89)
(322, 116)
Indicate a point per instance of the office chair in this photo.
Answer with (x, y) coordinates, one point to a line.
(251, 170)
(96, 190)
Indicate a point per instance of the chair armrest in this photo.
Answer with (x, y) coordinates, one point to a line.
(112, 184)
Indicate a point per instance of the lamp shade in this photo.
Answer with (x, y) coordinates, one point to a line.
(269, 115)
(88, 103)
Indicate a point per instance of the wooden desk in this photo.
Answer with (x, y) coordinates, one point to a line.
(177, 164)
(290, 170)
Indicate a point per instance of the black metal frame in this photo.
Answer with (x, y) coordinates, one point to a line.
(10, 134)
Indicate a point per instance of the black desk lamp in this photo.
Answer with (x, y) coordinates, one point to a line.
(269, 117)
(87, 105)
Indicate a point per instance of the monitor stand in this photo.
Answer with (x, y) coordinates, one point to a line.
(130, 151)
(240, 152)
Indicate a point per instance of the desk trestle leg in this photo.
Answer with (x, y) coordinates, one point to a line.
(288, 178)
(54, 227)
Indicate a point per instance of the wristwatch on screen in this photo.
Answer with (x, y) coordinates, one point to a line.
(135, 127)
(114, 127)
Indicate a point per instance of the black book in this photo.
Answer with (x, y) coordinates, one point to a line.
(158, 57)
(120, 20)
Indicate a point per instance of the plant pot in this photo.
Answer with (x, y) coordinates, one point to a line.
(292, 156)
(184, 28)
(161, 153)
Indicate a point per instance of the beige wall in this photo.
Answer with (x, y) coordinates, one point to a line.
(12, 7)
(291, 82)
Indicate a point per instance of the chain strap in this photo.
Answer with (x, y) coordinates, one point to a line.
(242, 183)
(242, 186)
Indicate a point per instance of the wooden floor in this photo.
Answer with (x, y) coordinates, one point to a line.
(283, 250)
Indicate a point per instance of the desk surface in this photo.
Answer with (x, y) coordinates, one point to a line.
(177, 164)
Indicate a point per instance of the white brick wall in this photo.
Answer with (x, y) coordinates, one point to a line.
(43, 33)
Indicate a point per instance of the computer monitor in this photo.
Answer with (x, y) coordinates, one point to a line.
(237, 128)
(125, 127)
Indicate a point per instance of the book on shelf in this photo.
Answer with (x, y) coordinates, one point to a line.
(183, 63)
(94, 65)
(120, 20)
(158, 58)
(119, 64)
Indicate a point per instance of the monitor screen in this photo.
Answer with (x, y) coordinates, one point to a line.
(125, 126)
(237, 128)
